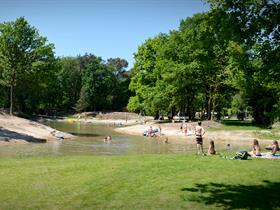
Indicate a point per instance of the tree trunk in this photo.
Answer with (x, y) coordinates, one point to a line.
(11, 99)
(213, 111)
(209, 115)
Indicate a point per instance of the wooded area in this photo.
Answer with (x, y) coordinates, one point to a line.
(34, 81)
(225, 61)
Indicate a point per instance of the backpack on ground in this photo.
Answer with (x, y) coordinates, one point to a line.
(241, 155)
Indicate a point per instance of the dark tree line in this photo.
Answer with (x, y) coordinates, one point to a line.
(33, 80)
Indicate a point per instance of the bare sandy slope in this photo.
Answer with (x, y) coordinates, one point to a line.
(21, 131)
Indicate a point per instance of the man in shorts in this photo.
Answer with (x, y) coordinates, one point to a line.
(199, 132)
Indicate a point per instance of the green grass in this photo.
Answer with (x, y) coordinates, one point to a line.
(247, 125)
(170, 181)
(270, 134)
(232, 125)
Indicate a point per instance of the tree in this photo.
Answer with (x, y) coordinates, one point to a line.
(145, 77)
(253, 27)
(96, 86)
(70, 79)
(23, 52)
(120, 82)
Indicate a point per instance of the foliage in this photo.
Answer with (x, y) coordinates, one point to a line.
(210, 61)
(104, 85)
(40, 83)
(24, 54)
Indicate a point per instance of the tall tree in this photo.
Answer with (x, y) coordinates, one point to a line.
(253, 27)
(22, 52)
(96, 86)
(119, 83)
(70, 79)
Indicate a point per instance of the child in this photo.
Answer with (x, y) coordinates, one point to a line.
(185, 129)
(256, 150)
(150, 132)
(211, 149)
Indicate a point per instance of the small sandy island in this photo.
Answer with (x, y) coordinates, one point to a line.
(16, 130)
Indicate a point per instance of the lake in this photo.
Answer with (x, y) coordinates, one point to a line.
(89, 141)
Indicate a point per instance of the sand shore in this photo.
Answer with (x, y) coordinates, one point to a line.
(173, 132)
(16, 130)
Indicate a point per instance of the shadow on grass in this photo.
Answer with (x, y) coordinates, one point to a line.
(6, 135)
(238, 123)
(264, 196)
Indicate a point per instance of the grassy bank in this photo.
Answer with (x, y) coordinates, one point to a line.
(172, 181)
(248, 126)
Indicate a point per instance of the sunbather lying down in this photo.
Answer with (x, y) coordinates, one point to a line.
(57, 134)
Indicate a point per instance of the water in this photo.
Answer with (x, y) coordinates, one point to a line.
(89, 141)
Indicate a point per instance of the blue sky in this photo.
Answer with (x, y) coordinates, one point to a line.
(106, 28)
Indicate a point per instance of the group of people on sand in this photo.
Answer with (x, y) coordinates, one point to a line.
(156, 133)
(153, 132)
(256, 149)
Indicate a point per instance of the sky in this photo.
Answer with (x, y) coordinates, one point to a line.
(106, 28)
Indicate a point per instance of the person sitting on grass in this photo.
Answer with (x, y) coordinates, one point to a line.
(211, 149)
(274, 147)
(256, 150)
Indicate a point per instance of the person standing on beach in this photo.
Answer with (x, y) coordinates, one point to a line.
(199, 132)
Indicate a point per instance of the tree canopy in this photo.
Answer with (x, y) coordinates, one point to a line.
(23, 54)
(211, 59)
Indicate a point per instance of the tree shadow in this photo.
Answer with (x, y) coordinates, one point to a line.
(263, 196)
(238, 123)
(7, 135)
(84, 134)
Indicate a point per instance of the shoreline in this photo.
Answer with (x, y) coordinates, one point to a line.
(16, 130)
(174, 134)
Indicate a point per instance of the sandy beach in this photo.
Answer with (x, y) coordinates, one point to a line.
(173, 132)
(16, 130)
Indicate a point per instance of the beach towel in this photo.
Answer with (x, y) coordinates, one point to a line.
(268, 156)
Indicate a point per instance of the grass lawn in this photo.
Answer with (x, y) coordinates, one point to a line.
(169, 181)
(248, 125)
